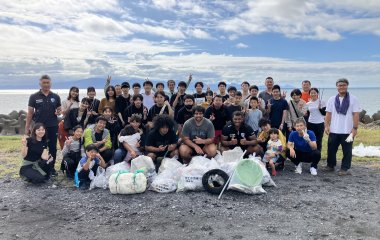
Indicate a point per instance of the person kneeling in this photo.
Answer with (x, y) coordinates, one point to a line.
(302, 147)
(89, 164)
(274, 149)
(239, 134)
(198, 136)
(37, 162)
(72, 152)
(161, 141)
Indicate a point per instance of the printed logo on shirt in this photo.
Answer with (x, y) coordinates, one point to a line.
(52, 100)
(39, 100)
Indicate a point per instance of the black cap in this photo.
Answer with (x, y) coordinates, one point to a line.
(125, 85)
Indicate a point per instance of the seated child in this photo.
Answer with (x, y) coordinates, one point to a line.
(274, 148)
(89, 164)
(132, 138)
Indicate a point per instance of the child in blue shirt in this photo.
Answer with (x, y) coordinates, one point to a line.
(89, 164)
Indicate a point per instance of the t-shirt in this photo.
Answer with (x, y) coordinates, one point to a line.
(132, 109)
(199, 98)
(244, 131)
(155, 110)
(184, 115)
(45, 107)
(265, 96)
(225, 97)
(155, 139)
(305, 96)
(252, 118)
(221, 116)
(180, 103)
(231, 109)
(315, 114)
(122, 103)
(300, 144)
(148, 100)
(342, 124)
(191, 129)
(35, 149)
(277, 108)
(84, 160)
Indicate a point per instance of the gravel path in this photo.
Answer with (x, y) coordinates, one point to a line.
(301, 207)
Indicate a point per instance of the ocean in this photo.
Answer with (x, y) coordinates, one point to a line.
(17, 99)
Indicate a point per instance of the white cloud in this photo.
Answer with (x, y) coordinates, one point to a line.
(198, 33)
(241, 45)
(320, 20)
(164, 4)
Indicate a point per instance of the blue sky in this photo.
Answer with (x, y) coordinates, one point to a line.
(233, 41)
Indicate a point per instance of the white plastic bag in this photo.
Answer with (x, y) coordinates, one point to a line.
(232, 155)
(146, 164)
(191, 176)
(100, 180)
(168, 176)
(115, 168)
(123, 182)
(169, 163)
(369, 151)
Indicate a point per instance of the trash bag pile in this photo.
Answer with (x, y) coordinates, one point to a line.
(368, 151)
(246, 175)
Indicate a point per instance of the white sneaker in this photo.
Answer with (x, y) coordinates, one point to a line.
(313, 171)
(299, 168)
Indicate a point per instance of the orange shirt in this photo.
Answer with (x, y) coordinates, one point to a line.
(305, 96)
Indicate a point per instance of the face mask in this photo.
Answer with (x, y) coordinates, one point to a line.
(188, 107)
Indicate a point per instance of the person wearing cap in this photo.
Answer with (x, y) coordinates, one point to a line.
(341, 124)
(122, 102)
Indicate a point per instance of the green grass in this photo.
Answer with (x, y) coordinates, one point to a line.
(369, 137)
(10, 153)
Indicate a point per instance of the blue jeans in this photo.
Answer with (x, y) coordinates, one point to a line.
(119, 155)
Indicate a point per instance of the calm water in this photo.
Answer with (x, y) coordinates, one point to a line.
(18, 99)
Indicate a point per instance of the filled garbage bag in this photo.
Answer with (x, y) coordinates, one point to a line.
(124, 182)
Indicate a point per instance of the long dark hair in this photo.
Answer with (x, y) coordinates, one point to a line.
(74, 89)
(33, 136)
(114, 92)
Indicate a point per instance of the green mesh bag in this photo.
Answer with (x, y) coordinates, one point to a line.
(248, 173)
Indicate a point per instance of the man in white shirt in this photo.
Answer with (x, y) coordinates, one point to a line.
(148, 95)
(341, 124)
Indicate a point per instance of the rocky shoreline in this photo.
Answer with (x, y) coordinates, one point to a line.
(14, 122)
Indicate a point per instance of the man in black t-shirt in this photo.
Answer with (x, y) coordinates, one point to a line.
(177, 100)
(277, 109)
(218, 115)
(161, 107)
(43, 107)
(238, 134)
(185, 113)
(93, 105)
(136, 108)
(122, 102)
(162, 140)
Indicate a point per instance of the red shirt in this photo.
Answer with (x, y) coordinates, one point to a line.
(305, 96)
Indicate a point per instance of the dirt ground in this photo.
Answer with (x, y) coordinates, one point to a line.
(301, 207)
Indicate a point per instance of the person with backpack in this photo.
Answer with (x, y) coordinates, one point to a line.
(72, 152)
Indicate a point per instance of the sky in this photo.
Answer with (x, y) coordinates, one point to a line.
(232, 41)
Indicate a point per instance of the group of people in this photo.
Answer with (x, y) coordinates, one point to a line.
(158, 123)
